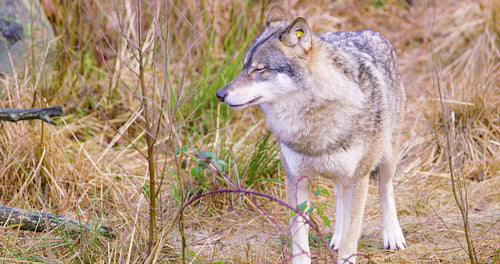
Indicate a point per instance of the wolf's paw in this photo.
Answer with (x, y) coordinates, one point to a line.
(394, 239)
(335, 241)
(301, 259)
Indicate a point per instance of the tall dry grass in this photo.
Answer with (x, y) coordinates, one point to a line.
(94, 165)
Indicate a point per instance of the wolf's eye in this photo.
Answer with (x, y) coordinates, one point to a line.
(260, 69)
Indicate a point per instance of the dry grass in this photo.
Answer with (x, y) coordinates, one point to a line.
(92, 166)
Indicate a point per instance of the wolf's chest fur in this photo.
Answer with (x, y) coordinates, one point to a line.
(320, 119)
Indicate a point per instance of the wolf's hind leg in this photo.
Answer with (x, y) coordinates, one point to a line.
(391, 232)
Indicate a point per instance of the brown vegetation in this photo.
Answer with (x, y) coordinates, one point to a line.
(93, 165)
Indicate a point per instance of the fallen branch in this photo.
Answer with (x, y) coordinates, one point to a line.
(41, 221)
(43, 113)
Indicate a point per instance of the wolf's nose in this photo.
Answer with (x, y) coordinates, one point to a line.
(221, 94)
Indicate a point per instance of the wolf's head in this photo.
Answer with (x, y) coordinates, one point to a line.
(272, 65)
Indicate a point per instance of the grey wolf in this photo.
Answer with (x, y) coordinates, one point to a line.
(335, 102)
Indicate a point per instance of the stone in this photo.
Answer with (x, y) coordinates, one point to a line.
(24, 26)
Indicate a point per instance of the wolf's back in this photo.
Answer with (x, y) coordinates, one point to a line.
(372, 43)
(372, 46)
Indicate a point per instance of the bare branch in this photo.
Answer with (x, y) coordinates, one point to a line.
(43, 113)
(41, 221)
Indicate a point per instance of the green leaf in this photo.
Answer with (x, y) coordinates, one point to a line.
(195, 171)
(319, 211)
(302, 206)
(378, 3)
(310, 210)
(211, 155)
(317, 191)
(326, 221)
(175, 192)
(202, 165)
(145, 187)
(219, 164)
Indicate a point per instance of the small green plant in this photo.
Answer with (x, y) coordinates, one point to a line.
(199, 171)
(378, 3)
(264, 160)
(145, 188)
(318, 207)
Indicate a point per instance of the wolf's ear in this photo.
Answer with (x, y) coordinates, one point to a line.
(276, 14)
(298, 33)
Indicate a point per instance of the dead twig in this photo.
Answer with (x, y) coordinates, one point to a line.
(43, 113)
(456, 173)
(41, 221)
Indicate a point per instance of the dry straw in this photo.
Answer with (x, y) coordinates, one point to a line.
(93, 166)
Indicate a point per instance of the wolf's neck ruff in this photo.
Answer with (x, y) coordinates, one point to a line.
(323, 131)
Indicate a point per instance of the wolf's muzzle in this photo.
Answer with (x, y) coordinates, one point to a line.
(221, 94)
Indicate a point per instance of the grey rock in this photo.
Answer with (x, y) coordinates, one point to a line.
(24, 26)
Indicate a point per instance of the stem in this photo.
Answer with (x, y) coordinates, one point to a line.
(177, 105)
(457, 182)
(149, 137)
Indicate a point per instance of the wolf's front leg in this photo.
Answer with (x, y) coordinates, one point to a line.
(297, 192)
(337, 233)
(354, 200)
